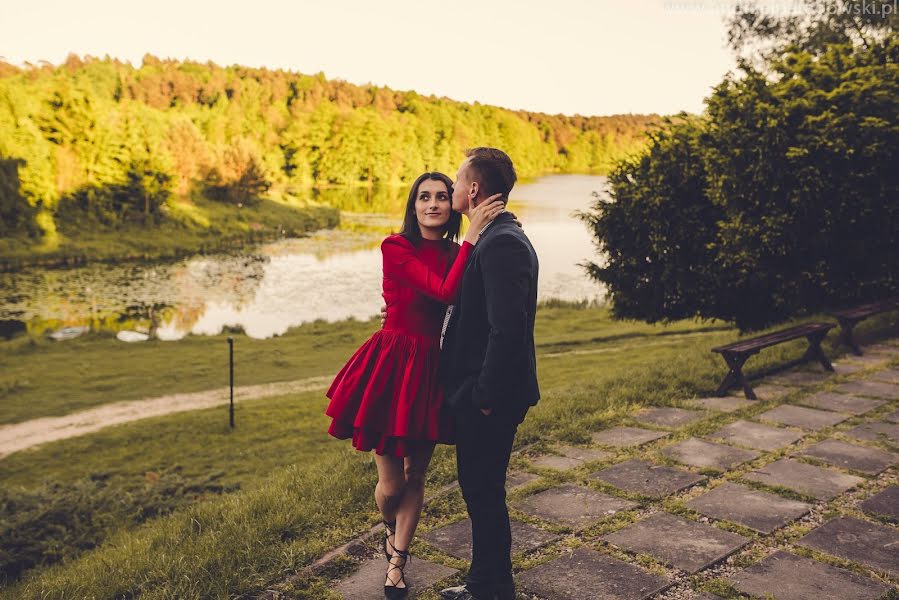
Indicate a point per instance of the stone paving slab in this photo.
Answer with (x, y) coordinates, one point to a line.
(887, 349)
(455, 539)
(722, 403)
(785, 576)
(846, 368)
(367, 583)
(871, 461)
(584, 574)
(573, 505)
(767, 391)
(804, 418)
(893, 417)
(519, 478)
(843, 403)
(646, 478)
(884, 503)
(875, 389)
(625, 437)
(584, 454)
(888, 376)
(708, 455)
(875, 432)
(871, 544)
(757, 436)
(676, 541)
(800, 377)
(760, 511)
(869, 360)
(668, 416)
(810, 480)
(554, 461)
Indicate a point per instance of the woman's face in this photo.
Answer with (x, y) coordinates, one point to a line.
(433, 204)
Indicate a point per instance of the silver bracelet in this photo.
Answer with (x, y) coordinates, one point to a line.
(489, 224)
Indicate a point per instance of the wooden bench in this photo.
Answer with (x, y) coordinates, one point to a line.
(736, 354)
(850, 317)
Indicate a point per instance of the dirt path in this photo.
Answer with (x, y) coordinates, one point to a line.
(50, 429)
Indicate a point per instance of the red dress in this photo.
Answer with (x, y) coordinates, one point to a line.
(387, 397)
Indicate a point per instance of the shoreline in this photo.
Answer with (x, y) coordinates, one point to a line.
(54, 260)
(88, 247)
(171, 239)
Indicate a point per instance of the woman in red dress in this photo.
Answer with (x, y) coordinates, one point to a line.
(387, 397)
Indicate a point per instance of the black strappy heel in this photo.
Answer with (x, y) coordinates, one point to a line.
(390, 528)
(392, 592)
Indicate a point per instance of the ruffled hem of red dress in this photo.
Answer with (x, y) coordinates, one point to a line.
(387, 397)
(366, 440)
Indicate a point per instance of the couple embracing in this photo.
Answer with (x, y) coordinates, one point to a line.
(454, 363)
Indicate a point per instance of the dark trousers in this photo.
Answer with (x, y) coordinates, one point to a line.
(483, 447)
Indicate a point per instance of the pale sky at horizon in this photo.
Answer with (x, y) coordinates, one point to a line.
(596, 57)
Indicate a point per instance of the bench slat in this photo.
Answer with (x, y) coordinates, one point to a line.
(771, 339)
(867, 310)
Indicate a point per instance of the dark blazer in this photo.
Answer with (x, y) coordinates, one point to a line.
(488, 358)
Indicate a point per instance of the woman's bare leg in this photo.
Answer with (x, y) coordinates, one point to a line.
(409, 510)
(390, 488)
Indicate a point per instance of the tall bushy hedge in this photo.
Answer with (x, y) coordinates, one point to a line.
(782, 199)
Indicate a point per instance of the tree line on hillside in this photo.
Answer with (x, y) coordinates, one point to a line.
(101, 138)
(782, 199)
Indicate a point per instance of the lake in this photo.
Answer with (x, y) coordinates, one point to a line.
(266, 289)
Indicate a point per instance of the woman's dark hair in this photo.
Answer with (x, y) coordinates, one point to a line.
(410, 230)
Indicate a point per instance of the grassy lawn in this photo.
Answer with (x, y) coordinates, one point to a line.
(97, 369)
(189, 509)
(40, 377)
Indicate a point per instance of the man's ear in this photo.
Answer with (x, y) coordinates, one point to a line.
(473, 192)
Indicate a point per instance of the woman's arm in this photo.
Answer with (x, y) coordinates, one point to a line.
(402, 264)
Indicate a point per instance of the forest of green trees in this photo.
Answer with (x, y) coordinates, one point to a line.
(99, 142)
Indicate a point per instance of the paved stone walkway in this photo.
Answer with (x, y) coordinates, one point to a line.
(792, 497)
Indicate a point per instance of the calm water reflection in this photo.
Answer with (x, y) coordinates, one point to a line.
(331, 275)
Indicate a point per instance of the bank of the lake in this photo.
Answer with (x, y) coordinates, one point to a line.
(266, 288)
(187, 227)
(198, 225)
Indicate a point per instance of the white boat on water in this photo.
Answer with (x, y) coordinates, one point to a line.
(68, 333)
(132, 336)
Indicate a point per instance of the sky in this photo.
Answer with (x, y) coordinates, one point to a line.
(589, 57)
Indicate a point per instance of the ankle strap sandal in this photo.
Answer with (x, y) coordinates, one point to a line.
(392, 592)
(389, 530)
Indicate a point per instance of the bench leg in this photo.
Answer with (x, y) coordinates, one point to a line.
(814, 351)
(846, 326)
(735, 375)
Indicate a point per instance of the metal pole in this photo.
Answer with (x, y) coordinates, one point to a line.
(231, 378)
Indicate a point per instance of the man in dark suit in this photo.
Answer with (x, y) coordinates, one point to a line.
(488, 370)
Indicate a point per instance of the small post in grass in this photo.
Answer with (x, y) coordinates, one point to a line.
(231, 378)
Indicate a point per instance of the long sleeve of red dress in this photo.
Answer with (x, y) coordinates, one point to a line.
(402, 263)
